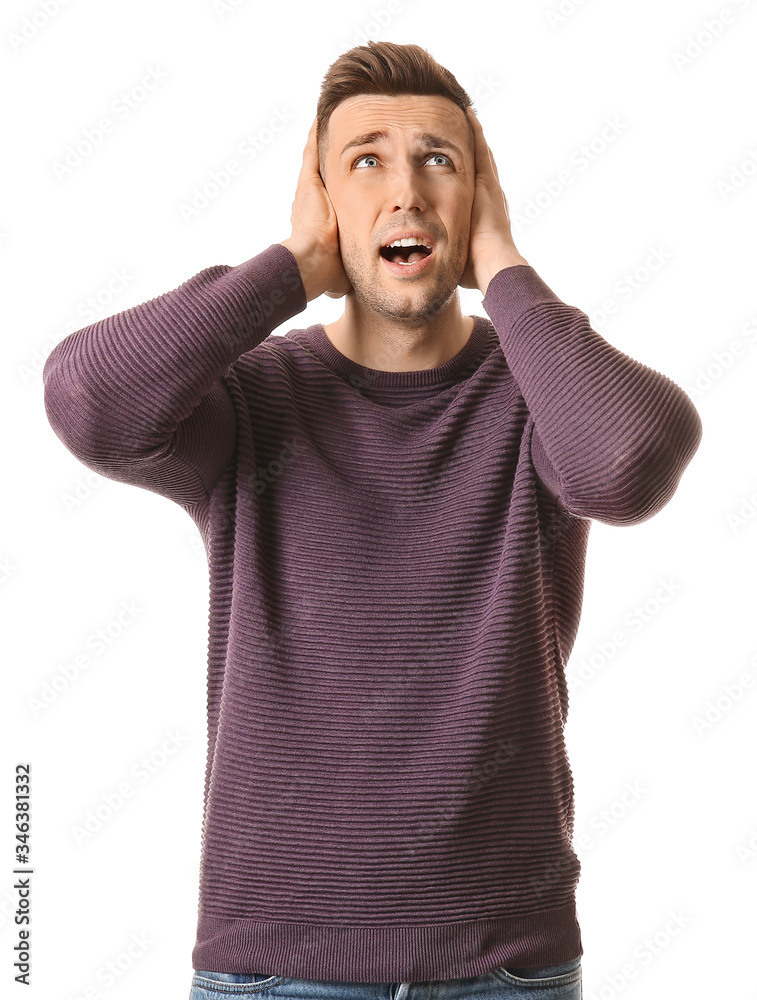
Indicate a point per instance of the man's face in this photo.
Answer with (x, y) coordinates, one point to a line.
(393, 166)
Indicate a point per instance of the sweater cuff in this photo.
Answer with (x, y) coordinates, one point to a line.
(275, 274)
(514, 290)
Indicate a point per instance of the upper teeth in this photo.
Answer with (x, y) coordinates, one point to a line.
(410, 241)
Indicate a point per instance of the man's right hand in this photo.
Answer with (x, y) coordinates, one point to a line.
(315, 234)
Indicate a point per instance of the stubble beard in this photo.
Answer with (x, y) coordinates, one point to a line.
(425, 296)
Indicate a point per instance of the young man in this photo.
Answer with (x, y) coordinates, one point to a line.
(395, 509)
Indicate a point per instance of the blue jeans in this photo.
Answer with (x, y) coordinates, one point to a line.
(549, 982)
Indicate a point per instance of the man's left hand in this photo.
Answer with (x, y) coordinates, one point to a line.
(491, 245)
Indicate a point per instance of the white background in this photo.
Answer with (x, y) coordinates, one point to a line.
(668, 621)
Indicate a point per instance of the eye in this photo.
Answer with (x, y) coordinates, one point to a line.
(370, 156)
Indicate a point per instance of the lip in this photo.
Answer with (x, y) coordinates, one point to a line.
(405, 234)
(409, 270)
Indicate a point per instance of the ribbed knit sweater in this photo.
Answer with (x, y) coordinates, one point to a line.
(396, 569)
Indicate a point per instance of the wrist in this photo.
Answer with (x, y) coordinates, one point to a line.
(487, 270)
(308, 257)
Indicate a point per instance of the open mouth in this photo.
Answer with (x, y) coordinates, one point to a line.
(405, 252)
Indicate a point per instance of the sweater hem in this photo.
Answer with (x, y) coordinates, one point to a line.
(384, 954)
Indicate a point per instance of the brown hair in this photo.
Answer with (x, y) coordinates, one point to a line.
(383, 68)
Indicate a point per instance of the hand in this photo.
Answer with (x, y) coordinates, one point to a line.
(491, 245)
(315, 234)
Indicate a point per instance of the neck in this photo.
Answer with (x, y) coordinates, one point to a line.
(397, 345)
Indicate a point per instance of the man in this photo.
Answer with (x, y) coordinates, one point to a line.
(395, 509)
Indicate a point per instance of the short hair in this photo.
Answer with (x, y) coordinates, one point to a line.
(384, 68)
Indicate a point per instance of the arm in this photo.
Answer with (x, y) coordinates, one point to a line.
(140, 397)
(612, 436)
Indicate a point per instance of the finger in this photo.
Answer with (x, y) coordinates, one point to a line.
(490, 160)
(494, 164)
(310, 154)
(478, 135)
(478, 131)
(484, 156)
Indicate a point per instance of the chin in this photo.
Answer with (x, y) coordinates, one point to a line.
(416, 299)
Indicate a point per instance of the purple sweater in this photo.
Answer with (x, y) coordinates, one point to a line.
(396, 567)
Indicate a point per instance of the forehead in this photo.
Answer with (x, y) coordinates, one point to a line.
(401, 115)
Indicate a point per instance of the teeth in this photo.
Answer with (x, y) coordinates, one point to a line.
(410, 241)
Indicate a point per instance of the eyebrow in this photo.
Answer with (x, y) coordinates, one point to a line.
(372, 138)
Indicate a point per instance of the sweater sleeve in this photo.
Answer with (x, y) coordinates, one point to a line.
(139, 396)
(611, 436)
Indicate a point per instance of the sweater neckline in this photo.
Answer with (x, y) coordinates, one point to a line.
(467, 357)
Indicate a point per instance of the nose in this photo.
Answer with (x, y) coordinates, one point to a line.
(405, 193)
